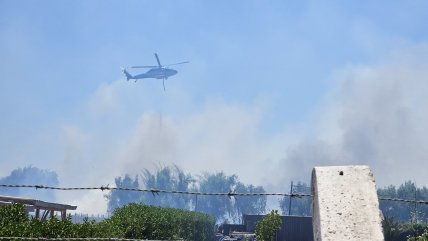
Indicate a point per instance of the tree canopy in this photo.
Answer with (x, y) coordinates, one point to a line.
(174, 178)
(30, 175)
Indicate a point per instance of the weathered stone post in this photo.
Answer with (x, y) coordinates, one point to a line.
(345, 204)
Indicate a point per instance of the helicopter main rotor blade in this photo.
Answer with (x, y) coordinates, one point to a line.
(157, 58)
(163, 82)
(185, 62)
(143, 66)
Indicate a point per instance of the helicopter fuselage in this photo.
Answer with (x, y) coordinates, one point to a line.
(157, 73)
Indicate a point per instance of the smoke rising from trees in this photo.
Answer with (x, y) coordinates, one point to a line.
(174, 178)
(377, 116)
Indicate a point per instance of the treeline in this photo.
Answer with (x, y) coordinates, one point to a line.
(135, 221)
(403, 212)
(30, 175)
(400, 212)
(223, 208)
(395, 231)
(174, 178)
(298, 206)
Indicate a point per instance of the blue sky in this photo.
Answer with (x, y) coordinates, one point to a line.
(263, 76)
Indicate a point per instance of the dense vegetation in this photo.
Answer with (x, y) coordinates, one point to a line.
(395, 231)
(131, 221)
(422, 237)
(403, 211)
(30, 175)
(403, 220)
(141, 221)
(300, 206)
(268, 226)
(173, 178)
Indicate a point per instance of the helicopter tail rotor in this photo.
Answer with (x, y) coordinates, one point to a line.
(128, 75)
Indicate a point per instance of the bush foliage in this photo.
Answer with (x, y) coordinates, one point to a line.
(131, 221)
(396, 231)
(423, 237)
(268, 226)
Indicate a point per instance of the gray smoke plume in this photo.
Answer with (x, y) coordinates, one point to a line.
(377, 116)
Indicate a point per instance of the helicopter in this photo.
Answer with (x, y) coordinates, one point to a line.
(157, 72)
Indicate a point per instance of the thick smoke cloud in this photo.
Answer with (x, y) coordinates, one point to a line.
(374, 115)
(377, 115)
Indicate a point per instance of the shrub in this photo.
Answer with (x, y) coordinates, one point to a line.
(149, 222)
(268, 226)
(132, 221)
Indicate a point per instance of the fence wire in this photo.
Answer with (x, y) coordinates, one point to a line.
(158, 191)
(78, 239)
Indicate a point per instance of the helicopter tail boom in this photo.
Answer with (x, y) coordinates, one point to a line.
(128, 75)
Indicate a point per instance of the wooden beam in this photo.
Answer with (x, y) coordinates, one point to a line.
(45, 215)
(37, 203)
(37, 213)
(63, 215)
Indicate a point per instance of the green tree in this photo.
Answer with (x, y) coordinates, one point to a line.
(148, 222)
(249, 204)
(299, 205)
(268, 226)
(131, 221)
(395, 231)
(173, 178)
(117, 198)
(217, 206)
(30, 175)
(423, 237)
(403, 211)
(391, 229)
(167, 178)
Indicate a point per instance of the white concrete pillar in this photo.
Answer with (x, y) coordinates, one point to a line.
(345, 204)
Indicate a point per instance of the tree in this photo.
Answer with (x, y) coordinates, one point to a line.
(217, 206)
(138, 221)
(167, 178)
(299, 205)
(394, 231)
(117, 198)
(249, 204)
(172, 178)
(403, 211)
(30, 175)
(268, 226)
(135, 221)
(423, 237)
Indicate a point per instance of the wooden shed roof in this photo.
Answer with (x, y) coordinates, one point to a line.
(37, 203)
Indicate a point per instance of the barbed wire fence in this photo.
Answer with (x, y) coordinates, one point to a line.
(302, 192)
(78, 239)
(158, 191)
(154, 191)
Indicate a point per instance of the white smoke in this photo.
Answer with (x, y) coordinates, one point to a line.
(375, 115)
